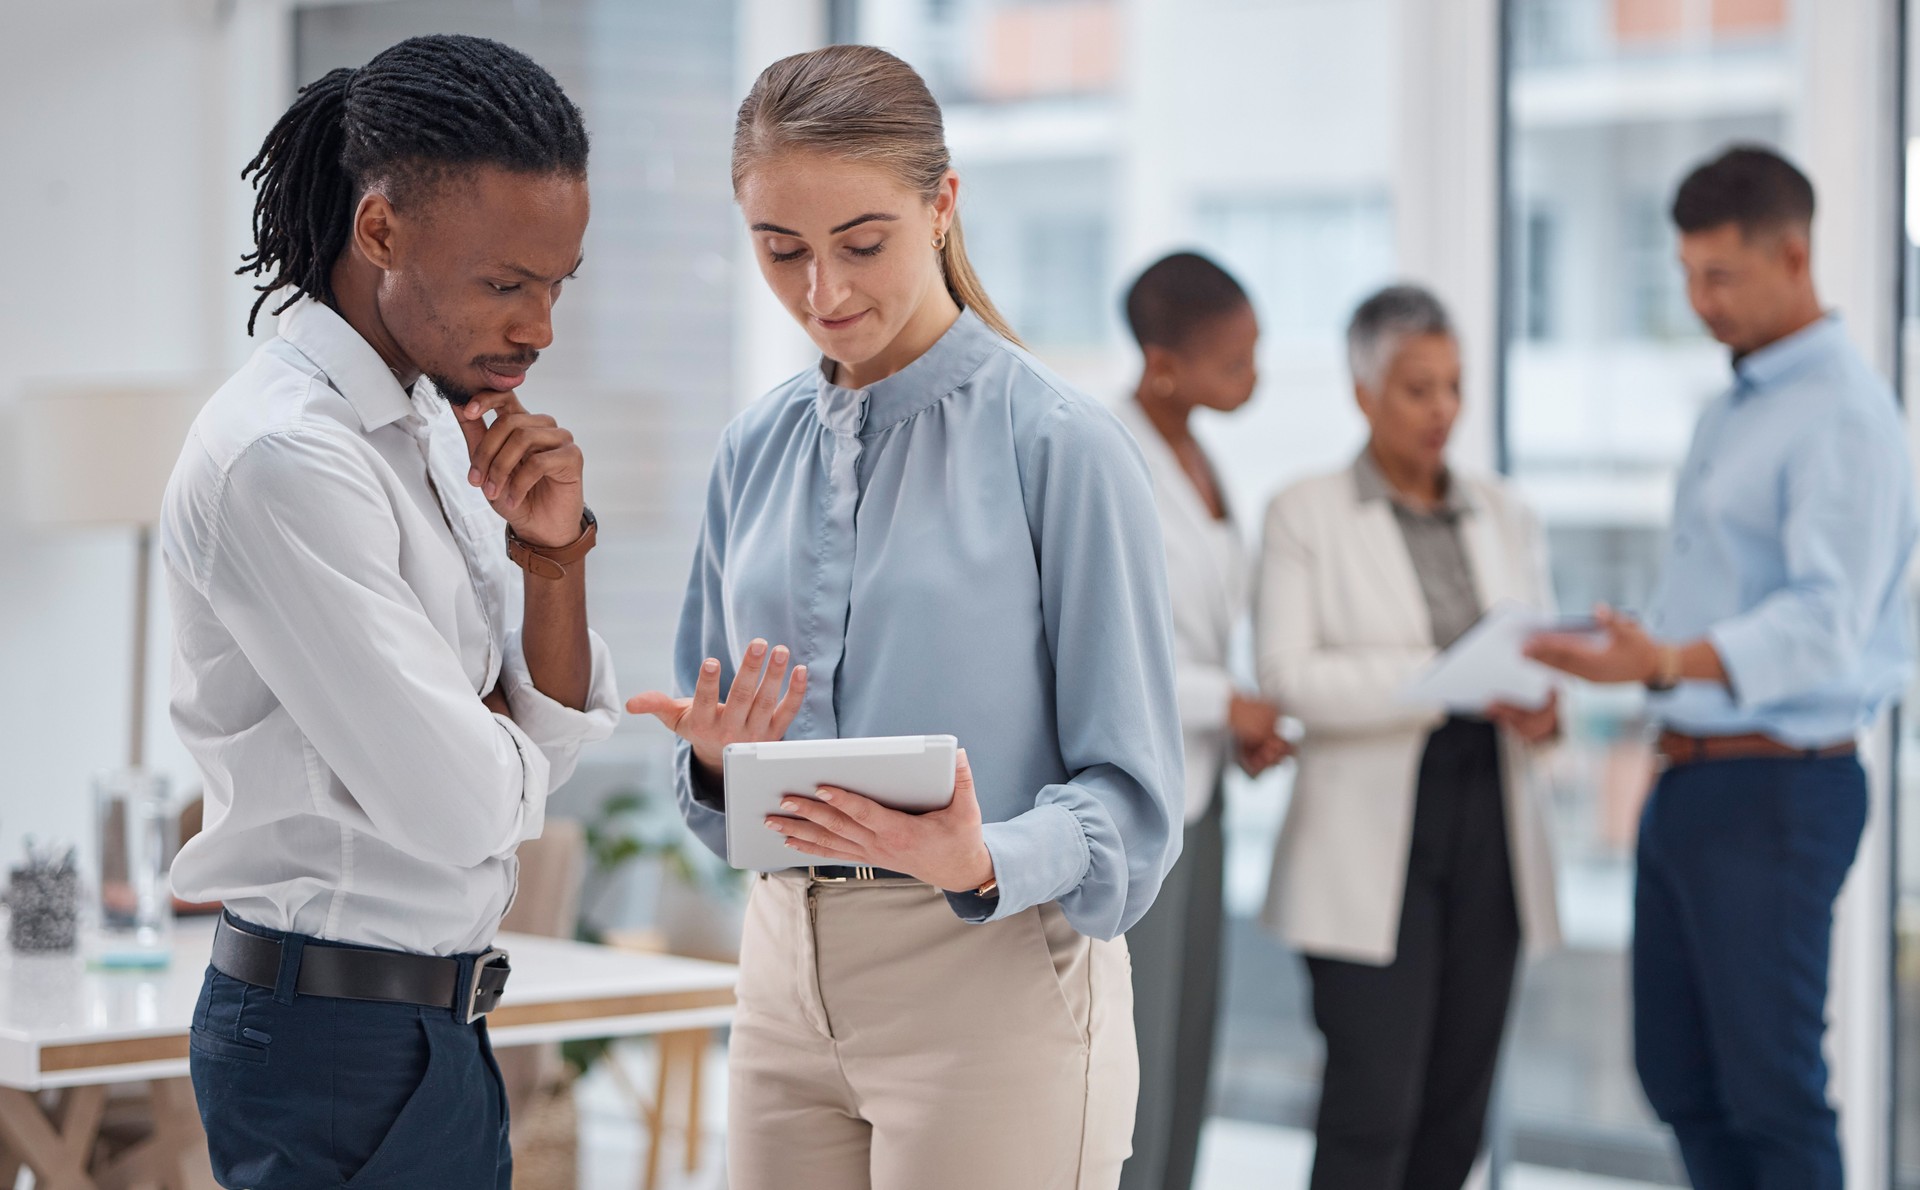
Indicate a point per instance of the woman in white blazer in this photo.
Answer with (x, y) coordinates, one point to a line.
(1414, 860)
(1197, 333)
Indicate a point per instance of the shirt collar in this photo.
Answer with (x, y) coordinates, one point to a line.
(1758, 369)
(351, 364)
(1369, 484)
(941, 368)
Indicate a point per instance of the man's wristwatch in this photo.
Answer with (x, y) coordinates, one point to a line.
(552, 562)
(1666, 670)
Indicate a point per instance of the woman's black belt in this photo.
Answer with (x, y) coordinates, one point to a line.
(841, 873)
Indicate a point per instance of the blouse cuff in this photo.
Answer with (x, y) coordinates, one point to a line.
(1040, 856)
(702, 803)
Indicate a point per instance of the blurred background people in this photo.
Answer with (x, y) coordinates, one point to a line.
(1414, 859)
(1197, 333)
(1779, 630)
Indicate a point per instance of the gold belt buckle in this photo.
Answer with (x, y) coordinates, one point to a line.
(814, 875)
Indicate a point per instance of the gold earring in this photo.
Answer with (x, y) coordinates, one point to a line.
(940, 241)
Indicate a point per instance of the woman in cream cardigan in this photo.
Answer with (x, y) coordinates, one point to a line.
(1413, 861)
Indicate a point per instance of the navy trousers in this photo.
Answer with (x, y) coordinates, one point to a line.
(306, 1092)
(1739, 865)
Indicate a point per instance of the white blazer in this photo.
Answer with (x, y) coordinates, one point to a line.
(1211, 583)
(1340, 624)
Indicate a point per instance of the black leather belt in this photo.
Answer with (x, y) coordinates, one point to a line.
(840, 874)
(359, 973)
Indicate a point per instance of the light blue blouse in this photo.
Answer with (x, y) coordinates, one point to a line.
(967, 547)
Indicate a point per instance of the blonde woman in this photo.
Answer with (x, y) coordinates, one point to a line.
(936, 536)
(1413, 862)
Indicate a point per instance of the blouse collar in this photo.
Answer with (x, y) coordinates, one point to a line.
(954, 357)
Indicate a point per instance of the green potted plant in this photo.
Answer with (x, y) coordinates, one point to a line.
(642, 862)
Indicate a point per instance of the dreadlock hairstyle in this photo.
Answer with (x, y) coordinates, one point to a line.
(401, 121)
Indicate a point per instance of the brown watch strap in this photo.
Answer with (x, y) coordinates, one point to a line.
(553, 562)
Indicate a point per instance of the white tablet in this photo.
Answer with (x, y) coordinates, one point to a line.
(908, 772)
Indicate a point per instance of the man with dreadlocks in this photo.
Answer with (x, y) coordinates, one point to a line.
(378, 711)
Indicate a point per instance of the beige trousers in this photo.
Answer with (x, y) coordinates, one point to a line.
(883, 1044)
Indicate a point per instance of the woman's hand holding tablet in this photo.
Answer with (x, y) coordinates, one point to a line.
(755, 710)
(942, 847)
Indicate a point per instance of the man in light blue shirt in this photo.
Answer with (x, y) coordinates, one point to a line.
(1780, 630)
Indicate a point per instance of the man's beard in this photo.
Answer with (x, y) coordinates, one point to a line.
(459, 394)
(456, 394)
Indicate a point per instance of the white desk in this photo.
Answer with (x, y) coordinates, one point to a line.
(63, 1026)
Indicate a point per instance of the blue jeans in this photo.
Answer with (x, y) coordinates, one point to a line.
(306, 1092)
(1739, 865)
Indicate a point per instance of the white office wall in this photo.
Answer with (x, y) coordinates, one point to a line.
(126, 125)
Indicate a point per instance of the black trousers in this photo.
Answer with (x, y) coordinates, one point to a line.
(1411, 1047)
(1175, 951)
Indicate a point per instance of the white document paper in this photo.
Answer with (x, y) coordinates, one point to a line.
(1486, 665)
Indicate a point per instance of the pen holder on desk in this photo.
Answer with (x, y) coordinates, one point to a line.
(43, 897)
(138, 835)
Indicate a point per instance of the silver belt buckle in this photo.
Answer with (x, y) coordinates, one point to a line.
(813, 874)
(475, 1001)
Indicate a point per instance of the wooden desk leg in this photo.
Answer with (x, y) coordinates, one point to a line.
(55, 1148)
(657, 1110)
(174, 1157)
(696, 1063)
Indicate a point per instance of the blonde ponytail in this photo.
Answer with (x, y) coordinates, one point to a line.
(964, 284)
(861, 103)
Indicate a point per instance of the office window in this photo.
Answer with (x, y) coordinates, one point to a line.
(641, 365)
(1308, 261)
(1610, 102)
(1013, 51)
(1655, 291)
(1065, 287)
(1536, 268)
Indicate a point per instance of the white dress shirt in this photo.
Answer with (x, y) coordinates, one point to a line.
(341, 599)
(1210, 581)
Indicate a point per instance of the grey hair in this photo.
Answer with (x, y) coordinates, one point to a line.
(1383, 323)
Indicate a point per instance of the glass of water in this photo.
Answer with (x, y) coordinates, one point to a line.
(137, 830)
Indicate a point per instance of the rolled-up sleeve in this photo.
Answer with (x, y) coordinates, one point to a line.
(702, 634)
(1842, 538)
(558, 730)
(304, 571)
(1101, 842)
(1206, 694)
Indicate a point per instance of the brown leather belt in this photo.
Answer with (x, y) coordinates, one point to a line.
(1676, 748)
